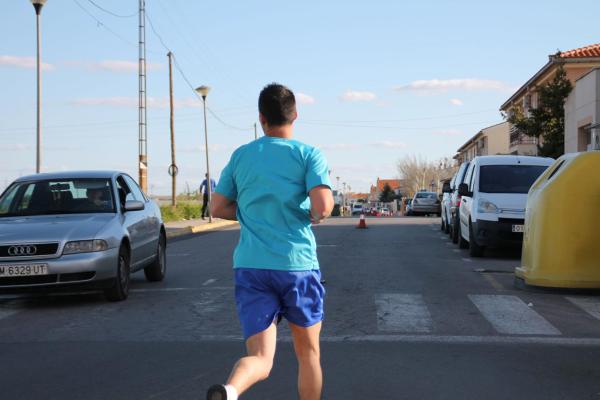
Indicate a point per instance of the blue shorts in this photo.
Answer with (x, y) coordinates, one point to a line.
(262, 295)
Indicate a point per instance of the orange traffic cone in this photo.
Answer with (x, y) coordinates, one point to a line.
(362, 223)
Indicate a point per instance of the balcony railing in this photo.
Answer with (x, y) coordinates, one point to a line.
(517, 138)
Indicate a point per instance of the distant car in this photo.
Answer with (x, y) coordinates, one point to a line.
(445, 207)
(79, 229)
(425, 203)
(455, 200)
(494, 195)
(408, 208)
(385, 212)
(357, 209)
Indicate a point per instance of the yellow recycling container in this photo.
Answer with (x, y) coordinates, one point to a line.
(561, 245)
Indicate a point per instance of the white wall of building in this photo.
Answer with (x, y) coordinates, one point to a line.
(582, 109)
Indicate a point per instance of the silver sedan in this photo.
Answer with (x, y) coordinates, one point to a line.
(82, 229)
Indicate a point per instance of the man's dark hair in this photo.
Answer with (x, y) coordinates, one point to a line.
(277, 104)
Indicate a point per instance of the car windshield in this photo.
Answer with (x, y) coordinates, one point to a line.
(508, 178)
(426, 195)
(62, 196)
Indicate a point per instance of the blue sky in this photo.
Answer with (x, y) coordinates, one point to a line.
(375, 80)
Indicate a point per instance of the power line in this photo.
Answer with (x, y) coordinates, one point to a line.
(101, 24)
(110, 12)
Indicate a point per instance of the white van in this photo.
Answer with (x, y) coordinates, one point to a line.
(494, 194)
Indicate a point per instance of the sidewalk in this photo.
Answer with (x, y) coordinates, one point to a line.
(180, 228)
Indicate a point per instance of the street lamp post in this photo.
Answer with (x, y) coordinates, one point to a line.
(38, 4)
(203, 91)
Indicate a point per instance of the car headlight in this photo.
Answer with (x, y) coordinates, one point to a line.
(485, 206)
(85, 246)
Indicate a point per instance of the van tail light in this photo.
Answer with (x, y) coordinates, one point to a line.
(458, 198)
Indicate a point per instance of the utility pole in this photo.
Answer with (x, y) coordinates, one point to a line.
(143, 139)
(38, 4)
(173, 169)
(255, 134)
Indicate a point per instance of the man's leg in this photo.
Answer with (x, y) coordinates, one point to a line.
(257, 365)
(204, 205)
(310, 376)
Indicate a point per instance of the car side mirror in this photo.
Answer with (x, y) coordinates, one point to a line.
(446, 188)
(463, 190)
(134, 205)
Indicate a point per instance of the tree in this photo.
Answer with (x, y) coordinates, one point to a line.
(387, 194)
(547, 121)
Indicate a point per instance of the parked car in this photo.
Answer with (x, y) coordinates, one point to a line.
(79, 229)
(455, 201)
(357, 209)
(446, 194)
(424, 203)
(494, 195)
(407, 209)
(385, 212)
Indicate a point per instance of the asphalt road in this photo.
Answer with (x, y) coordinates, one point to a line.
(408, 316)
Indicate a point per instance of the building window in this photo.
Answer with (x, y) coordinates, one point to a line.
(584, 138)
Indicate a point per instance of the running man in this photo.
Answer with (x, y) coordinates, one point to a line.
(276, 187)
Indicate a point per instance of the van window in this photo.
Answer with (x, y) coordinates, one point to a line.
(468, 176)
(508, 178)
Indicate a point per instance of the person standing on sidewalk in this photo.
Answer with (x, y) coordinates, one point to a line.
(204, 191)
(276, 187)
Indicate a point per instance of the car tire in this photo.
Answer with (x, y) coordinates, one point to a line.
(120, 289)
(475, 250)
(454, 231)
(156, 271)
(462, 243)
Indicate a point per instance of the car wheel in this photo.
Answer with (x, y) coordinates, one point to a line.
(462, 243)
(454, 231)
(475, 250)
(120, 289)
(156, 271)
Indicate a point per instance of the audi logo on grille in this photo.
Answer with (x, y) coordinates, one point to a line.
(22, 250)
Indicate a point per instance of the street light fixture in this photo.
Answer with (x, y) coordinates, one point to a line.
(37, 5)
(203, 91)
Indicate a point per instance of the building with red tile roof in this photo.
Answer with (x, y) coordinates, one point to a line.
(576, 63)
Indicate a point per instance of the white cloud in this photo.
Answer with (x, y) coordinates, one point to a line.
(444, 85)
(15, 147)
(353, 95)
(304, 98)
(211, 147)
(456, 102)
(23, 62)
(131, 102)
(117, 66)
(356, 146)
(449, 132)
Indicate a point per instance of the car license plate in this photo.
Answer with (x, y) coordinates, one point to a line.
(518, 228)
(23, 270)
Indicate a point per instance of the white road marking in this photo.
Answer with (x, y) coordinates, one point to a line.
(467, 259)
(510, 315)
(456, 250)
(327, 245)
(209, 281)
(178, 254)
(476, 340)
(590, 305)
(7, 310)
(398, 312)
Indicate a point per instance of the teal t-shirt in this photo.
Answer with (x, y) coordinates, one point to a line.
(269, 179)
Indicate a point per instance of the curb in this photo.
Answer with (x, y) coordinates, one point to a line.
(189, 230)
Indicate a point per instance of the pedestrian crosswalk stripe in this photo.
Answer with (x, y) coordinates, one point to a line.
(398, 312)
(510, 315)
(590, 305)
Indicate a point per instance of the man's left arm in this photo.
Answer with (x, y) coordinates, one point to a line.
(222, 207)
